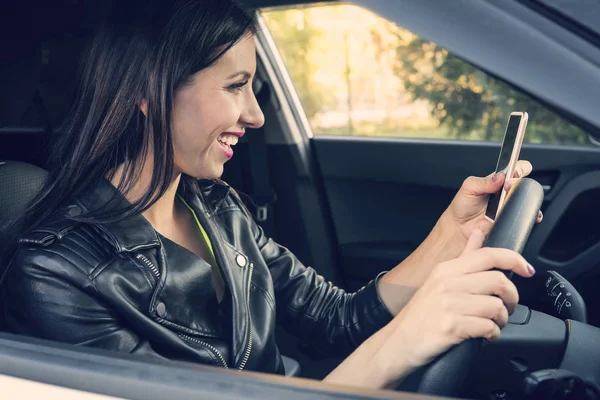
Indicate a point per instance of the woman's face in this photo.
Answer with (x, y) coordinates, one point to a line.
(213, 111)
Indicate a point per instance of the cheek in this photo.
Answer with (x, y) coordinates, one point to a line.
(191, 123)
(219, 113)
(189, 137)
(198, 123)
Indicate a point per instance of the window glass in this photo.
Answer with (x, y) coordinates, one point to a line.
(359, 74)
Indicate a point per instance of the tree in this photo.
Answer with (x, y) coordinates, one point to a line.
(295, 36)
(470, 103)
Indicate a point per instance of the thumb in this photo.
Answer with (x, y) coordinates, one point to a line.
(480, 186)
(475, 241)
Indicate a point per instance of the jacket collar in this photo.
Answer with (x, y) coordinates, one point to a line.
(214, 192)
(136, 233)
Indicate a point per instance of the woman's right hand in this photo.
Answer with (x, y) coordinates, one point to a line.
(461, 299)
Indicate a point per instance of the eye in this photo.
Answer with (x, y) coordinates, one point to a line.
(237, 87)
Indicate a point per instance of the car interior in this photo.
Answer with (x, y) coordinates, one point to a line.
(360, 204)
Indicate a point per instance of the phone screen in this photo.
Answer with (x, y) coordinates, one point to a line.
(512, 129)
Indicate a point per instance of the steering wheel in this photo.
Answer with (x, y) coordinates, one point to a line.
(446, 374)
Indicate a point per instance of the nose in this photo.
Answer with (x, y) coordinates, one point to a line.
(252, 116)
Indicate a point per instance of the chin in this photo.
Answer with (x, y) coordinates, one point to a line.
(214, 173)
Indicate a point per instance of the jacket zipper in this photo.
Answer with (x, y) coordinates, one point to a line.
(246, 357)
(248, 350)
(212, 348)
(149, 264)
(251, 328)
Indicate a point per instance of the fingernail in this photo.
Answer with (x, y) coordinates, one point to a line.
(518, 173)
(496, 177)
(530, 269)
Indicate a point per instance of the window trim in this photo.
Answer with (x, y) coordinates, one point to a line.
(129, 376)
(281, 79)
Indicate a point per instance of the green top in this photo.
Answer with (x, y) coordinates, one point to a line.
(199, 226)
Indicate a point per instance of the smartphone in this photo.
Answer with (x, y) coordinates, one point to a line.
(507, 160)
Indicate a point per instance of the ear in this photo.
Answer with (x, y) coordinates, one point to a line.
(144, 107)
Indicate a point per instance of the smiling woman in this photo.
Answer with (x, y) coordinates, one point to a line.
(134, 244)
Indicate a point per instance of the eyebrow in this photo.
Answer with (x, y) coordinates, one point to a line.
(245, 74)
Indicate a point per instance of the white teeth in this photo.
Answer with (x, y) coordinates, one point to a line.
(229, 140)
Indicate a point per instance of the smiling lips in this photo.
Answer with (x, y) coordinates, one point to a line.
(228, 139)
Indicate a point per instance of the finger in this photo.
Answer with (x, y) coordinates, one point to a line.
(482, 328)
(489, 283)
(510, 183)
(489, 307)
(485, 226)
(476, 186)
(540, 217)
(475, 241)
(522, 169)
(468, 327)
(488, 257)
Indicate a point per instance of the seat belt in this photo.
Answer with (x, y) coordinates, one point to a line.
(261, 192)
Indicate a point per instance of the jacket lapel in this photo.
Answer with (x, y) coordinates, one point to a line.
(234, 276)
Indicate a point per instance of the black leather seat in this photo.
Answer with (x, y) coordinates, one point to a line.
(19, 183)
(20, 70)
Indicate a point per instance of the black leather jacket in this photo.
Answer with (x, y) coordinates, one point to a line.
(122, 286)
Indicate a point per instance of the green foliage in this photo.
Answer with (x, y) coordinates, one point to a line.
(469, 102)
(295, 37)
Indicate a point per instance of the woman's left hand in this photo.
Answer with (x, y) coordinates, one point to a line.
(467, 210)
(448, 238)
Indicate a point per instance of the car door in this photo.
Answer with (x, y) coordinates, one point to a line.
(394, 122)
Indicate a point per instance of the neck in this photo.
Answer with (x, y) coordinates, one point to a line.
(163, 212)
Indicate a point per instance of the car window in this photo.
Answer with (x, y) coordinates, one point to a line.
(364, 75)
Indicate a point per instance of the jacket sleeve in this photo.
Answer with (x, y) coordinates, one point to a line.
(316, 311)
(47, 296)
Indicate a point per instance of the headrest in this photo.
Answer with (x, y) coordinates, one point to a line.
(19, 184)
